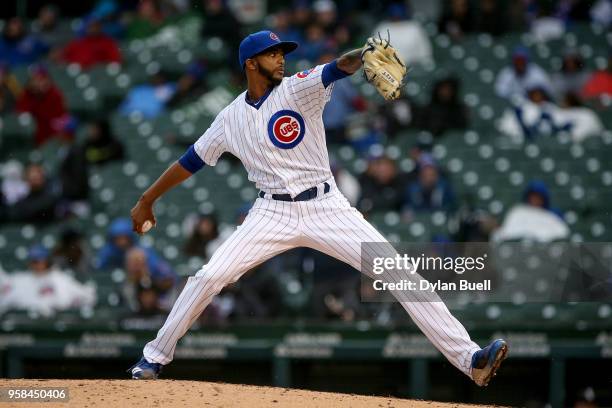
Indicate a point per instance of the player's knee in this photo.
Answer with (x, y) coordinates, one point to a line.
(213, 279)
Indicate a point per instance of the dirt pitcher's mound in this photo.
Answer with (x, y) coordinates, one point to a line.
(169, 393)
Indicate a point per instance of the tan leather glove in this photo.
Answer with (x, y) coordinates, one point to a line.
(383, 67)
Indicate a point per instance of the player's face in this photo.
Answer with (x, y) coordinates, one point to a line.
(271, 65)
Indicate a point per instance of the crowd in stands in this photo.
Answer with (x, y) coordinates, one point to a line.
(539, 103)
(43, 288)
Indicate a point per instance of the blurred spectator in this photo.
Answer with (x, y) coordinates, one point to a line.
(346, 182)
(220, 22)
(572, 76)
(341, 37)
(316, 44)
(536, 194)
(445, 110)
(547, 25)
(457, 19)
(256, 295)
(149, 302)
(420, 153)
(534, 218)
(599, 83)
(204, 231)
(17, 47)
(364, 132)
(475, 226)
(582, 403)
(345, 100)
(74, 178)
(200, 230)
(45, 102)
(145, 291)
(565, 11)
(371, 308)
(101, 146)
(325, 15)
(149, 99)
(574, 10)
(107, 12)
(10, 90)
(397, 115)
(537, 116)
(585, 398)
(174, 7)
(335, 292)
(120, 239)
(94, 47)
(43, 288)
(191, 85)
(147, 21)
(407, 37)
(40, 204)
(514, 80)
(430, 192)
(491, 18)
(249, 13)
(302, 15)
(72, 252)
(14, 187)
(601, 12)
(47, 27)
(380, 186)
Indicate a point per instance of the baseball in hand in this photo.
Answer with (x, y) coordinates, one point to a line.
(146, 226)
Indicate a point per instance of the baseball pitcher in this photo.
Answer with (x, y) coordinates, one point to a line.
(275, 129)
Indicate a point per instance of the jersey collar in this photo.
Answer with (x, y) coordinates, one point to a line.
(257, 104)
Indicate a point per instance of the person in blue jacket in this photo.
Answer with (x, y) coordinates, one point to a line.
(120, 239)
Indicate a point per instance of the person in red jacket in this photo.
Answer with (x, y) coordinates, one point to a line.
(600, 82)
(45, 102)
(93, 48)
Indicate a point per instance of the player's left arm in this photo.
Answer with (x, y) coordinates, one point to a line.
(350, 62)
(343, 66)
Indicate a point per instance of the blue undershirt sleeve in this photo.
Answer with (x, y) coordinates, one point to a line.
(332, 73)
(191, 161)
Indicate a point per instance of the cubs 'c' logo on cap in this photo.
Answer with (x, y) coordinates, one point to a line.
(286, 129)
(274, 37)
(304, 74)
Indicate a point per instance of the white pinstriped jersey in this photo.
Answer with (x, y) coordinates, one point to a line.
(280, 140)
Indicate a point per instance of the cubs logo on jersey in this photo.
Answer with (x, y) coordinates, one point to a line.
(286, 129)
(305, 73)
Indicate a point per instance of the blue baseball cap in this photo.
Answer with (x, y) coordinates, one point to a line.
(38, 253)
(260, 41)
(520, 52)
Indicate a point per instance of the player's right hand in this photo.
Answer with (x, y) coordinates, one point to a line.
(142, 211)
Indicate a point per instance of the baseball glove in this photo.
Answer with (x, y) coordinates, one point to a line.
(383, 67)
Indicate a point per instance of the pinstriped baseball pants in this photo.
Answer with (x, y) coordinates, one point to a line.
(328, 224)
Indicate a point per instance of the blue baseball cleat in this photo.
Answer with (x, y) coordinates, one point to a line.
(143, 370)
(485, 362)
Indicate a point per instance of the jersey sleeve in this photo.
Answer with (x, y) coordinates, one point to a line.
(316, 84)
(208, 148)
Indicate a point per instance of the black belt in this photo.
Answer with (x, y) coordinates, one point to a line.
(303, 196)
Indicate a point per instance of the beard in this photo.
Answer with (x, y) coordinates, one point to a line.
(269, 75)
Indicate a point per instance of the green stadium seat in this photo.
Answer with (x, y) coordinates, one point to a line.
(16, 133)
